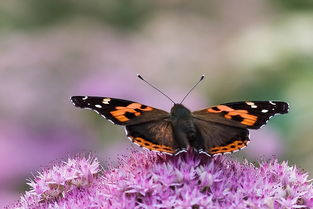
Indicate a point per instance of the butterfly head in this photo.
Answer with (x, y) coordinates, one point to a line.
(180, 111)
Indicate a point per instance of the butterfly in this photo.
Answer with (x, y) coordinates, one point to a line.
(215, 130)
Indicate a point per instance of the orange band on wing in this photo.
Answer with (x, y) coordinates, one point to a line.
(236, 145)
(247, 119)
(220, 108)
(120, 111)
(149, 145)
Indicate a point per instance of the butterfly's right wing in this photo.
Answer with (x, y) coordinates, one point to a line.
(251, 114)
(220, 138)
(224, 128)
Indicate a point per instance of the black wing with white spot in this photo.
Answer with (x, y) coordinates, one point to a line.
(252, 115)
(119, 111)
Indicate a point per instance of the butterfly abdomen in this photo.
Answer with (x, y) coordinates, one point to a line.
(185, 132)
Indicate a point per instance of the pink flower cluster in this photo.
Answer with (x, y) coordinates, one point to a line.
(189, 180)
(57, 182)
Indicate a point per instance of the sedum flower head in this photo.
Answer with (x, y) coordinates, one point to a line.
(189, 180)
(57, 182)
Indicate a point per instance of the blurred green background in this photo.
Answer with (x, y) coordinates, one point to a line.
(51, 50)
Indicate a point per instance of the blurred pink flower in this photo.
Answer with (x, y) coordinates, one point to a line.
(265, 143)
(23, 150)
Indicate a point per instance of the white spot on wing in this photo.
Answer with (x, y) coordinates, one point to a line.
(98, 106)
(106, 100)
(88, 108)
(84, 98)
(251, 104)
(264, 111)
(273, 103)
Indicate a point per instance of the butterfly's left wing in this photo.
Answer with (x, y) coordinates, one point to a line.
(224, 128)
(154, 135)
(119, 111)
(146, 126)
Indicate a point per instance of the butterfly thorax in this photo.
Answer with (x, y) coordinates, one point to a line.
(184, 128)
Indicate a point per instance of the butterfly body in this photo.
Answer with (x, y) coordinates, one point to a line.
(216, 130)
(185, 133)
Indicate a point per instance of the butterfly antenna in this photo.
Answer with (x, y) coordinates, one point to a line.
(192, 89)
(139, 76)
